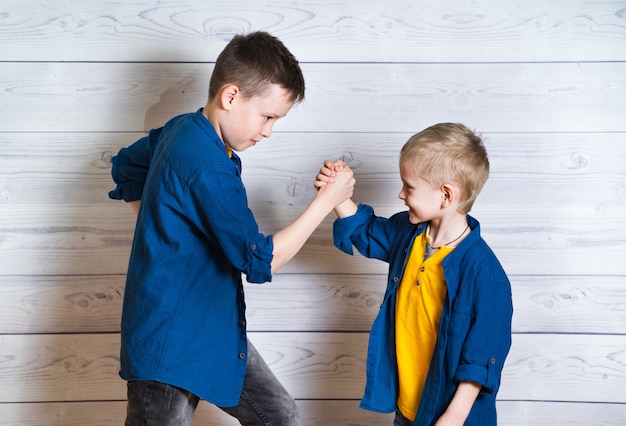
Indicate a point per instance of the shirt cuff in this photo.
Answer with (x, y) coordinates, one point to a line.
(343, 228)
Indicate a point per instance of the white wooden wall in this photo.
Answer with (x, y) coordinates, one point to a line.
(544, 81)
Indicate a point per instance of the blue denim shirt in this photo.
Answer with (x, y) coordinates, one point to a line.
(183, 320)
(475, 329)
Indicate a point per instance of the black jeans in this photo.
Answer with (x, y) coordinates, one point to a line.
(263, 400)
(400, 420)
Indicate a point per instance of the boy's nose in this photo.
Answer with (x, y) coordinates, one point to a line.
(266, 131)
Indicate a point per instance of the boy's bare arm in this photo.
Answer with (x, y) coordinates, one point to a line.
(345, 209)
(461, 405)
(135, 206)
(289, 240)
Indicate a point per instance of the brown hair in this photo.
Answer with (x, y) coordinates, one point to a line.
(449, 153)
(252, 62)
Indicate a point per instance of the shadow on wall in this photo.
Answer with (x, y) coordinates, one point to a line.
(183, 97)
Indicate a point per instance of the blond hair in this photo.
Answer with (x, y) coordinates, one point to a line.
(449, 153)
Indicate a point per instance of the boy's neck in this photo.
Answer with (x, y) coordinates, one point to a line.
(210, 112)
(449, 231)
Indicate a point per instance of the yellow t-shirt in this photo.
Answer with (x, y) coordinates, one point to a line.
(419, 302)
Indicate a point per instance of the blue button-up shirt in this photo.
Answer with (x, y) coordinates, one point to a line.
(475, 329)
(183, 320)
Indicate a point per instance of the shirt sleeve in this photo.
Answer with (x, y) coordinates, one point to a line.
(219, 207)
(130, 167)
(373, 236)
(489, 337)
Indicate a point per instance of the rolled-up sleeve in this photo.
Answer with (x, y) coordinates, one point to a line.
(220, 209)
(344, 228)
(489, 340)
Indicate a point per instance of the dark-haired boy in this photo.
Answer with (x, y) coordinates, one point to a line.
(183, 322)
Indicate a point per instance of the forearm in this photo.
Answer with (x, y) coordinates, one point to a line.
(289, 240)
(345, 209)
(135, 206)
(461, 404)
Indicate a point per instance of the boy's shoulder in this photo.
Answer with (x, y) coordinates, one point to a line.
(189, 144)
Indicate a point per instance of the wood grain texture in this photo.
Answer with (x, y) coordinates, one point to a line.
(113, 413)
(524, 413)
(556, 168)
(77, 239)
(545, 82)
(314, 365)
(372, 31)
(313, 413)
(54, 199)
(493, 97)
(311, 302)
(84, 367)
(553, 367)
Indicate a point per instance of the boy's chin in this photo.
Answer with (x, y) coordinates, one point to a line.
(413, 219)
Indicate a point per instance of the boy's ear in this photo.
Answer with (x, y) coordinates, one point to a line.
(228, 96)
(447, 194)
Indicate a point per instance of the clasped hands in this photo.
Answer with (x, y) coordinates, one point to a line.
(337, 178)
(330, 171)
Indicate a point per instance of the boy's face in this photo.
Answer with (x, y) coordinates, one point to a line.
(423, 200)
(249, 120)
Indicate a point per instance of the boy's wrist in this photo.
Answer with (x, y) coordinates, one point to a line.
(346, 208)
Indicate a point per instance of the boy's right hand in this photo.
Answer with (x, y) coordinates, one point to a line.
(336, 180)
(328, 172)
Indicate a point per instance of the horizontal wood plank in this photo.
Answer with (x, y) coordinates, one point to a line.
(545, 82)
(61, 304)
(85, 367)
(113, 413)
(305, 302)
(520, 97)
(313, 412)
(573, 367)
(568, 304)
(548, 413)
(567, 368)
(547, 169)
(57, 218)
(79, 239)
(65, 240)
(196, 31)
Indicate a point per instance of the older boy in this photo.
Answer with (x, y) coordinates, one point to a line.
(438, 345)
(183, 323)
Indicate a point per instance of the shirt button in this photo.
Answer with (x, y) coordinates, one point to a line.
(492, 361)
(417, 282)
(422, 269)
(242, 323)
(395, 279)
(253, 246)
(242, 355)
